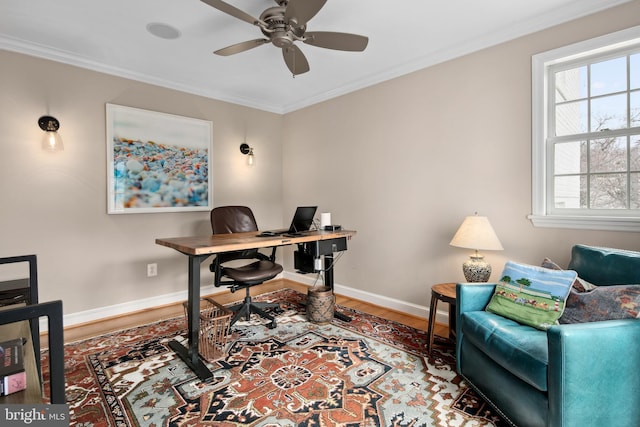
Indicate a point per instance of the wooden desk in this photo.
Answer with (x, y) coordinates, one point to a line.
(199, 248)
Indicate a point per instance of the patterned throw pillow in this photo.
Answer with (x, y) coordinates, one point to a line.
(602, 303)
(579, 285)
(531, 295)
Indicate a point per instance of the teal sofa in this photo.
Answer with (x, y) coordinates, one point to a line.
(580, 374)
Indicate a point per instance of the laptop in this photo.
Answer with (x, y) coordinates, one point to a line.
(301, 222)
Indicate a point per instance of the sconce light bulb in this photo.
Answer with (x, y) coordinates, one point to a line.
(250, 157)
(52, 141)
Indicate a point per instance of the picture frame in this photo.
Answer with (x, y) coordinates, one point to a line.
(157, 162)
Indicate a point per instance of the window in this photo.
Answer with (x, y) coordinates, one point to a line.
(586, 134)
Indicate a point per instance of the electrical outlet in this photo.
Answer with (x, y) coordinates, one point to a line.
(152, 270)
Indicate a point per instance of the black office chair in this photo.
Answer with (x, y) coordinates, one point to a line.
(237, 219)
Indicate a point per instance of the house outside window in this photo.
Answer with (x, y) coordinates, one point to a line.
(586, 134)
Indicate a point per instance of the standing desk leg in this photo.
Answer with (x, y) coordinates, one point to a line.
(190, 356)
(328, 281)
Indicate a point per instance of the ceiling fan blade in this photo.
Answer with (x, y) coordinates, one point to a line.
(233, 11)
(303, 10)
(295, 60)
(240, 47)
(337, 41)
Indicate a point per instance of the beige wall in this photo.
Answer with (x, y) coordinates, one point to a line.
(405, 161)
(55, 205)
(402, 162)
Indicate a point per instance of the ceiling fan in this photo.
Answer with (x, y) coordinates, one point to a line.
(285, 24)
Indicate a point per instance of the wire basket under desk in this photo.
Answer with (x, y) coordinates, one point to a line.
(215, 322)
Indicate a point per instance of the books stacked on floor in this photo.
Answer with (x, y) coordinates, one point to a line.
(13, 377)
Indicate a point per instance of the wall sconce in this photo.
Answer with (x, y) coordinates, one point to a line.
(51, 140)
(245, 149)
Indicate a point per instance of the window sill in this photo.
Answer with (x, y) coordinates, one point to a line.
(586, 223)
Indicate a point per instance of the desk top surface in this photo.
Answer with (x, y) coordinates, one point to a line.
(217, 243)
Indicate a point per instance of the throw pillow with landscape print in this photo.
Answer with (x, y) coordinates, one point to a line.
(531, 295)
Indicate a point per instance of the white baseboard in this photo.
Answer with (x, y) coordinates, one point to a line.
(95, 314)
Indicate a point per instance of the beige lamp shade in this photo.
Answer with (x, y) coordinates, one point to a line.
(476, 233)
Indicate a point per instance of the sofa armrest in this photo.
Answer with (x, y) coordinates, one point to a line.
(470, 297)
(593, 373)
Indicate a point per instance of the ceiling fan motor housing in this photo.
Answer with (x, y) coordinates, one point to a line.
(281, 33)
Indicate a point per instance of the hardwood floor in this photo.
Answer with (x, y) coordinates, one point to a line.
(142, 317)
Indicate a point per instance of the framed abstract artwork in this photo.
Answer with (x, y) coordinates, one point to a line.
(157, 162)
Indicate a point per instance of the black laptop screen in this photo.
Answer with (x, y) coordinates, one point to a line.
(302, 219)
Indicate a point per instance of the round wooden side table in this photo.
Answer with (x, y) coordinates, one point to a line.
(445, 292)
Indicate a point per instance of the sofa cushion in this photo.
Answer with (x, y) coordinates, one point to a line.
(605, 266)
(531, 295)
(602, 303)
(520, 349)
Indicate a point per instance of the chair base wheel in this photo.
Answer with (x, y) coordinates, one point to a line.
(247, 307)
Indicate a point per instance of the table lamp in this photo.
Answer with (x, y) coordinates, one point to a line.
(476, 233)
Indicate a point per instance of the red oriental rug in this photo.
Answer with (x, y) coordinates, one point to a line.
(367, 372)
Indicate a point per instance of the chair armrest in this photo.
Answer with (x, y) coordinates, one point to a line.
(272, 257)
(473, 296)
(470, 297)
(593, 373)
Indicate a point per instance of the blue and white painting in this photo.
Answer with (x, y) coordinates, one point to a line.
(157, 162)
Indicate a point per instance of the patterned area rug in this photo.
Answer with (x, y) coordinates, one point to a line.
(367, 372)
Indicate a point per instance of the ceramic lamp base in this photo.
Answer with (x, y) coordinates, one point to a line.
(475, 269)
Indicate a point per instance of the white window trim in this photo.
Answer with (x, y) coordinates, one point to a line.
(540, 216)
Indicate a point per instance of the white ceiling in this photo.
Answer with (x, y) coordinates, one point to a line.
(404, 36)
